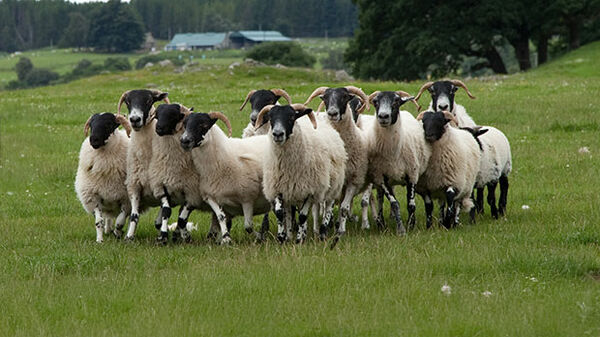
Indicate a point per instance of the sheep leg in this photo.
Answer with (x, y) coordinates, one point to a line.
(264, 228)
(107, 226)
(503, 195)
(134, 218)
(491, 199)
(364, 204)
(165, 214)
(181, 231)
(411, 204)
(479, 200)
(343, 214)
(379, 219)
(302, 219)
(442, 213)
(99, 224)
(395, 208)
(281, 218)
(428, 210)
(119, 223)
(473, 210)
(213, 231)
(449, 217)
(222, 218)
(294, 224)
(248, 210)
(456, 213)
(327, 216)
(316, 209)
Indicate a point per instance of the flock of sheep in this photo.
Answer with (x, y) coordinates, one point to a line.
(290, 160)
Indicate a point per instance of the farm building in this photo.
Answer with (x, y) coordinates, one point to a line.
(193, 41)
(238, 39)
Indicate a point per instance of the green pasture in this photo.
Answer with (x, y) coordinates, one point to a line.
(535, 272)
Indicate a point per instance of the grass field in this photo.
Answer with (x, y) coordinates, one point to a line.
(536, 272)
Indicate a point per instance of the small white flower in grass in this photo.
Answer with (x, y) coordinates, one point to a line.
(532, 279)
(22, 155)
(584, 150)
(568, 165)
(525, 207)
(486, 293)
(10, 193)
(446, 289)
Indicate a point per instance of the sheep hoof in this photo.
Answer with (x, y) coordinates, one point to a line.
(129, 239)
(99, 241)
(380, 222)
(334, 242)
(400, 230)
(249, 230)
(282, 237)
(225, 240)
(118, 234)
(162, 239)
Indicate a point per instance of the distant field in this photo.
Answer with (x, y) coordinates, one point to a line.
(534, 273)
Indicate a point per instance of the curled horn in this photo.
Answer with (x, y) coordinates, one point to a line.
(317, 92)
(219, 115)
(282, 93)
(86, 128)
(121, 100)
(358, 92)
(184, 110)
(373, 95)
(321, 106)
(450, 116)
(423, 88)
(124, 122)
(311, 115)
(250, 93)
(404, 94)
(420, 116)
(462, 85)
(259, 118)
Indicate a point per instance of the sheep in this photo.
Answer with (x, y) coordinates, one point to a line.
(496, 164)
(453, 166)
(442, 99)
(258, 100)
(399, 153)
(140, 104)
(100, 179)
(356, 142)
(303, 165)
(231, 169)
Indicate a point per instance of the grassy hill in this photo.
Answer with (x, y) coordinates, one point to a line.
(536, 272)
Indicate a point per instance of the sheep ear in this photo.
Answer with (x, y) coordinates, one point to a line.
(300, 113)
(160, 96)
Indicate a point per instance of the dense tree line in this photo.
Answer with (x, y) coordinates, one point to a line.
(30, 24)
(408, 39)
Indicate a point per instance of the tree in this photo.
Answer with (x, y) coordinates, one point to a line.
(23, 67)
(116, 28)
(76, 33)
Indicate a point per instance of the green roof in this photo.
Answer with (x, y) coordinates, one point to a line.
(196, 40)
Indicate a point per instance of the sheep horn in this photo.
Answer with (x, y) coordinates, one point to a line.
(124, 122)
(250, 93)
(310, 115)
(221, 116)
(361, 94)
(259, 119)
(404, 94)
(86, 128)
(184, 110)
(121, 100)
(321, 106)
(450, 116)
(420, 116)
(317, 92)
(423, 88)
(462, 85)
(282, 93)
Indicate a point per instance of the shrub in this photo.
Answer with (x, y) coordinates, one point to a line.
(40, 76)
(141, 62)
(23, 67)
(287, 53)
(117, 64)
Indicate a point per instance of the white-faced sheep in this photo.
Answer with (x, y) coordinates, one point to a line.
(303, 165)
(453, 166)
(140, 104)
(356, 142)
(442, 99)
(100, 179)
(230, 168)
(258, 100)
(399, 153)
(496, 164)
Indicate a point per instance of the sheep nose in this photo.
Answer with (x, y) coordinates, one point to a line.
(384, 115)
(443, 107)
(185, 142)
(253, 120)
(135, 119)
(277, 133)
